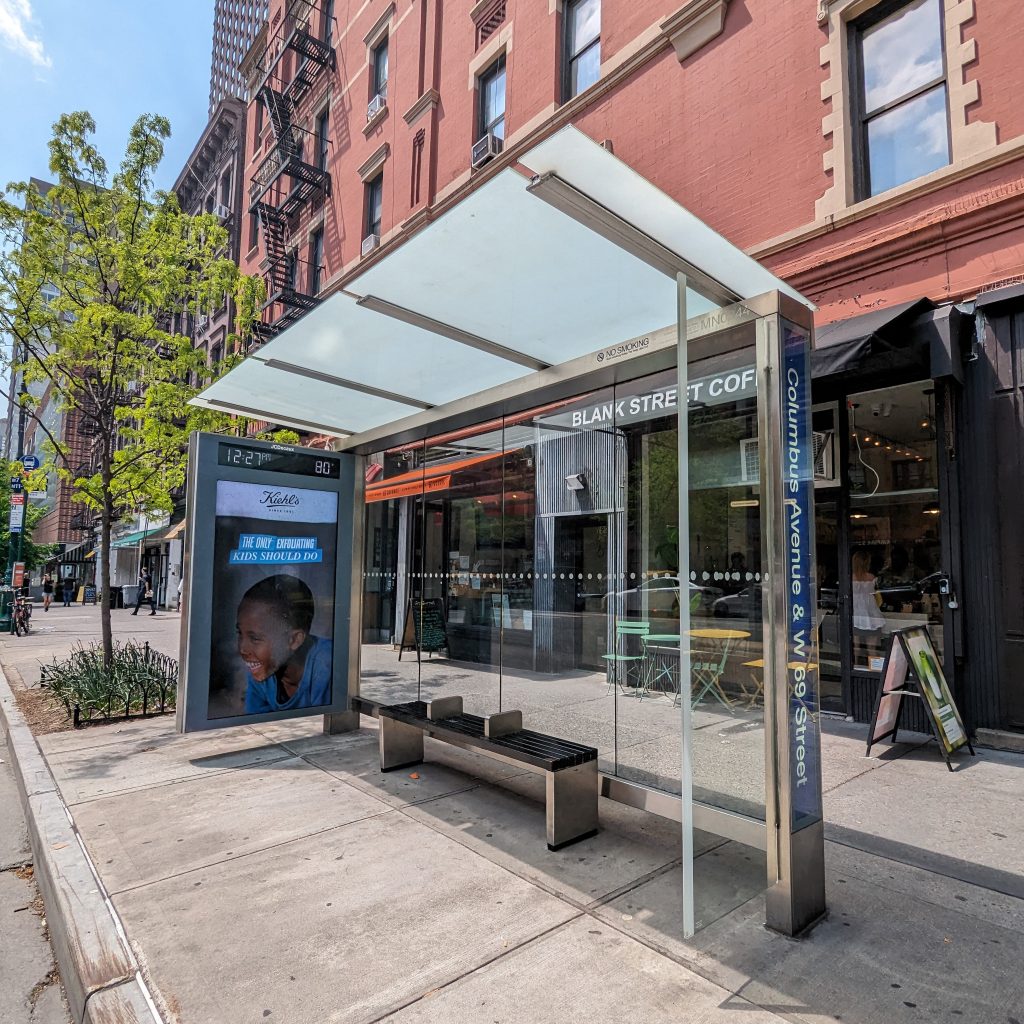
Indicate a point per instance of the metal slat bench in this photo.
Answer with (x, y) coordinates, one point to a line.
(569, 769)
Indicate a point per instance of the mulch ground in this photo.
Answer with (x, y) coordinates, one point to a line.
(42, 714)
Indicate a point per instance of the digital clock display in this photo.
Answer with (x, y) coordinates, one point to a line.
(244, 456)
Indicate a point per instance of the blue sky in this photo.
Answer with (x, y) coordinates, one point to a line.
(115, 58)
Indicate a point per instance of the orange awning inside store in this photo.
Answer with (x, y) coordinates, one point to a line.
(426, 479)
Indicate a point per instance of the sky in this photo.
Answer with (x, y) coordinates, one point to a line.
(115, 58)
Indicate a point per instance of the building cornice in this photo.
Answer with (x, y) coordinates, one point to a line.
(694, 25)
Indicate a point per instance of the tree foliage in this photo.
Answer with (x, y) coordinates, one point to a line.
(91, 275)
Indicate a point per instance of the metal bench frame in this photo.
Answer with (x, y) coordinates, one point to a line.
(572, 784)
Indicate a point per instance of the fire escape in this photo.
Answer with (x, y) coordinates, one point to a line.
(285, 182)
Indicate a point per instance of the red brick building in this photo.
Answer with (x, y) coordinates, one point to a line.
(869, 152)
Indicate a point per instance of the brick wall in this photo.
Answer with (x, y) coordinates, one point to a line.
(734, 132)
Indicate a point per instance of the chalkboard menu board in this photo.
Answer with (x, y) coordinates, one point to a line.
(425, 631)
(90, 595)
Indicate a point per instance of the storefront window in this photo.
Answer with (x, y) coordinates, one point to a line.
(895, 548)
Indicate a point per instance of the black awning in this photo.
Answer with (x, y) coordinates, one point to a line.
(891, 338)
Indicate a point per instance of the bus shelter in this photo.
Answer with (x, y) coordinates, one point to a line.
(579, 422)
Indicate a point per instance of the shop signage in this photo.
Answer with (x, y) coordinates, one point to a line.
(267, 633)
(16, 520)
(912, 670)
(716, 389)
(801, 655)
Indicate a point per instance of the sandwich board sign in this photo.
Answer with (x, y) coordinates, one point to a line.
(912, 670)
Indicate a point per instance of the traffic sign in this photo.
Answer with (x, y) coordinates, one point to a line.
(16, 483)
(18, 499)
(37, 495)
(30, 462)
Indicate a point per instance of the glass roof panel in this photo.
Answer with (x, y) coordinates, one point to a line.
(253, 389)
(591, 169)
(508, 267)
(348, 341)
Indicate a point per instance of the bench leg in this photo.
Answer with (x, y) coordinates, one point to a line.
(401, 745)
(572, 804)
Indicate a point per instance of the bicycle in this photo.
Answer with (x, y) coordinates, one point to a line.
(21, 616)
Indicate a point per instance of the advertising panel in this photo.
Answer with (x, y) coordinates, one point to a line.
(267, 592)
(924, 663)
(272, 629)
(912, 653)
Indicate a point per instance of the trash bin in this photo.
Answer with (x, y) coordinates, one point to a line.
(116, 597)
(129, 595)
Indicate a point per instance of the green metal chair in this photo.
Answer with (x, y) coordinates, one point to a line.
(633, 662)
(706, 669)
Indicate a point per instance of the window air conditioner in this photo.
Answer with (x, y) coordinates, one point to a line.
(370, 242)
(376, 105)
(223, 212)
(486, 149)
(823, 442)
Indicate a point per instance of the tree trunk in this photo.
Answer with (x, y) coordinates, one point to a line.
(106, 518)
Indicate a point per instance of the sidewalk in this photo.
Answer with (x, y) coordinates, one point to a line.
(271, 873)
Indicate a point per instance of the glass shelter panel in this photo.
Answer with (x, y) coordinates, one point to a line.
(389, 657)
(537, 562)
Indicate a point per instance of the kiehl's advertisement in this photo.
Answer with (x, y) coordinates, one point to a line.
(272, 642)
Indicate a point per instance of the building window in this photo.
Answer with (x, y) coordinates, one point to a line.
(492, 101)
(259, 119)
(316, 259)
(225, 190)
(379, 69)
(374, 203)
(291, 269)
(902, 106)
(328, 22)
(322, 140)
(254, 230)
(582, 45)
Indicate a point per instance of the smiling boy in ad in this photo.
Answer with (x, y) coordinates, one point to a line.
(272, 627)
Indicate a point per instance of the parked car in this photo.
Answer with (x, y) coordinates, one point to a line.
(660, 594)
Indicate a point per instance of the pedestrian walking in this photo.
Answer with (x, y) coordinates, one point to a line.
(47, 591)
(146, 593)
(69, 592)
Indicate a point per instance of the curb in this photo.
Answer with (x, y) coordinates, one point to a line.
(101, 975)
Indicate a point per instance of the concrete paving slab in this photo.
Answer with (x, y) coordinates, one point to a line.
(343, 926)
(961, 824)
(162, 832)
(105, 734)
(725, 877)
(505, 824)
(926, 886)
(155, 758)
(445, 770)
(881, 957)
(585, 972)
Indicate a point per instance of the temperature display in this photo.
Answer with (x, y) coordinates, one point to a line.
(294, 463)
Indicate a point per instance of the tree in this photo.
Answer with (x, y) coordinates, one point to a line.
(91, 274)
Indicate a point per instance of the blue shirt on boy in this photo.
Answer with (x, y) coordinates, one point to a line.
(314, 688)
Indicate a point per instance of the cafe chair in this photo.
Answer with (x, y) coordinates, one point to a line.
(706, 671)
(633, 673)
